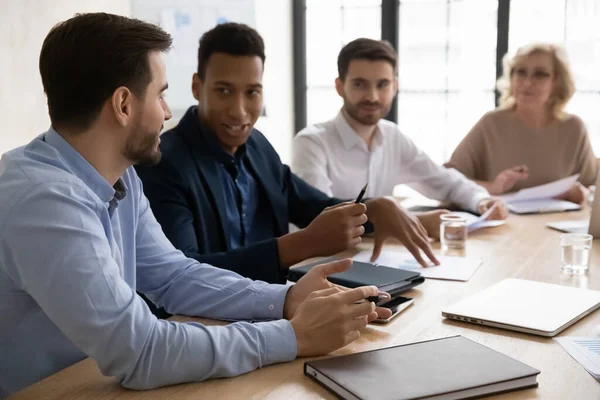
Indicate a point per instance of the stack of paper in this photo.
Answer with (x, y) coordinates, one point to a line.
(474, 222)
(541, 198)
(585, 350)
(451, 268)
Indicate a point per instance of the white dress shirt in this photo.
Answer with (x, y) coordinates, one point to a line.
(332, 157)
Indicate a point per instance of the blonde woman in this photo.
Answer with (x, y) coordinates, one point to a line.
(529, 140)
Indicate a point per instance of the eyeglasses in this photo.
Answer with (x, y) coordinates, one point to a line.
(538, 75)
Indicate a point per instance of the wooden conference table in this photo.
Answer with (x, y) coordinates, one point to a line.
(523, 248)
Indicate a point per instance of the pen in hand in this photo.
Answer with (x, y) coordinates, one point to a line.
(382, 297)
(362, 193)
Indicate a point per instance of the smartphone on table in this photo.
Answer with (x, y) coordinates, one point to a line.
(397, 305)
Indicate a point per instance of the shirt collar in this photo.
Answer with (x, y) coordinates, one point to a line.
(81, 168)
(215, 147)
(350, 138)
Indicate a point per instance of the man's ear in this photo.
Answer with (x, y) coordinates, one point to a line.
(197, 86)
(339, 87)
(396, 85)
(121, 104)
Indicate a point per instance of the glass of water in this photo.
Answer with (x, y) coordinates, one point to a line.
(453, 232)
(575, 252)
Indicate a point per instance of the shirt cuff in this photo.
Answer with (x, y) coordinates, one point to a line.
(282, 273)
(476, 199)
(279, 342)
(269, 301)
(369, 227)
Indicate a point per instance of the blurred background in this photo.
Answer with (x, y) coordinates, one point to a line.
(450, 54)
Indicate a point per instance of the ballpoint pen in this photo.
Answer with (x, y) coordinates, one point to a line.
(362, 193)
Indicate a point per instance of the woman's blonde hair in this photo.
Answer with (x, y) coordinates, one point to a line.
(563, 89)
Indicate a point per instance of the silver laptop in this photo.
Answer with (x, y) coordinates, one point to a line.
(526, 306)
(591, 226)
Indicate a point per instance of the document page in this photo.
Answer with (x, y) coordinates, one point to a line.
(451, 268)
(585, 350)
(547, 191)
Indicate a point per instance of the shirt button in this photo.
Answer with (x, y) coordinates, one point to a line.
(271, 307)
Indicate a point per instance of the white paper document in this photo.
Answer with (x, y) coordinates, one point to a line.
(542, 192)
(451, 268)
(540, 199)
(474, 222)
(580, 226)
(542, 206)
(585, 350)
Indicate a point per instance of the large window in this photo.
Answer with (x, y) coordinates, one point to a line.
(330, 25)
(448, 57)
(447, 69)
(576, 24)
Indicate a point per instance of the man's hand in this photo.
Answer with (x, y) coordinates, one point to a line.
(392, 221)
(336, 229)
(431, 222)
(315, 280)
(507, 179)
(578, 194)
(499, 210)
(331, 318)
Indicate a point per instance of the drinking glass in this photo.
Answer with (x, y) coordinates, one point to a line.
(453, 232)
(575, 252)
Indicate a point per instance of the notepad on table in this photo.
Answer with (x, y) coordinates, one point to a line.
(451, 268)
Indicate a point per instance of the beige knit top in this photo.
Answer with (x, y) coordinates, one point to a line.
(500, 140)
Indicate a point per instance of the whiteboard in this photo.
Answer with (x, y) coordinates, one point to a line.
(186, 21)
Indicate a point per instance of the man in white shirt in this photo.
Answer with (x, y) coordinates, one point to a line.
(358, 145)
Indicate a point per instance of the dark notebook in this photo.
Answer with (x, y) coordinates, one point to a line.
(441, 369)
(391, 280)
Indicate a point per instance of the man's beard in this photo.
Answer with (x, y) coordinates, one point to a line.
(354, 111)
(141, 147)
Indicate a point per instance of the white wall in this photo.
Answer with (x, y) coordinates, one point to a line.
(23, 26)
(274, 23)
(25, 23)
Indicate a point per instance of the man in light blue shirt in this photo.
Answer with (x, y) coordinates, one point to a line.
(77, 238)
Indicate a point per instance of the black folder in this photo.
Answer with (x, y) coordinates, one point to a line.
(391, 280)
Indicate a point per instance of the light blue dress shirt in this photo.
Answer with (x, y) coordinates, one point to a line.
(73, 250)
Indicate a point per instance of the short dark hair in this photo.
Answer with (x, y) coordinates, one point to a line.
(365, 49)
(86, 58)
(229, 38)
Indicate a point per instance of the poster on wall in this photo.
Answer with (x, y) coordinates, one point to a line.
(186, 21)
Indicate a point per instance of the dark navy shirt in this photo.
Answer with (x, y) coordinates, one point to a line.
(248, 216)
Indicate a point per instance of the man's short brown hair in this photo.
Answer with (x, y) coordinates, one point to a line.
(86, 58)
(365, 49)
